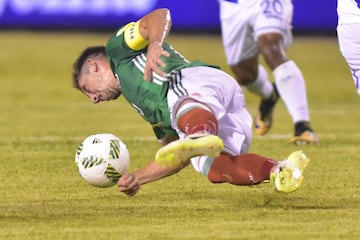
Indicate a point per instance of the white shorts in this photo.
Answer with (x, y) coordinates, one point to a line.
(223, 95)
(349, 43)
(243, 21)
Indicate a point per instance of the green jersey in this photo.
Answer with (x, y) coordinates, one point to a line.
(148, 98)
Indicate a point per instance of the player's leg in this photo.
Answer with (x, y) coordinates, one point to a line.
(349, 44)
(242, 56)
(290, 84)
(272, 43)
(234, 127)
(244, 169)
(251, 169)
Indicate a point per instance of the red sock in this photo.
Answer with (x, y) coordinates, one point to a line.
(245, 169)
(198, 120)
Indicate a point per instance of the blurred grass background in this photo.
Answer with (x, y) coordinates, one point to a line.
(43, 119)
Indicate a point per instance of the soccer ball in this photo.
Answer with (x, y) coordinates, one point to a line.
(102, 159)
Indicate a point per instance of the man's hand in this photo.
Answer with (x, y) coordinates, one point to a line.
(155, 51)
(128, 184)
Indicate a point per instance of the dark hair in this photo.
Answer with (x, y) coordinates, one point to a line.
(77, 66)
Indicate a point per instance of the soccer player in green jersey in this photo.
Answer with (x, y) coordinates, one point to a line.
(197, 111)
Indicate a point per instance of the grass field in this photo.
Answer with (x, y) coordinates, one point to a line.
(43, 120)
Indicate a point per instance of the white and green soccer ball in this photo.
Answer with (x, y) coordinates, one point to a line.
(102, 159)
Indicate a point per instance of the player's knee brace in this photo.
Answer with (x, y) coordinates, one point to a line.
(196, 118)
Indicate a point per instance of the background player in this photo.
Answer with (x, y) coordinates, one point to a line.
(253, 27)
(348, 31)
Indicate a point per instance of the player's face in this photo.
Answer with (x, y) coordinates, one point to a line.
(100, 84)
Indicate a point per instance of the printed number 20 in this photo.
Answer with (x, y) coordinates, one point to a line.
(272, 7)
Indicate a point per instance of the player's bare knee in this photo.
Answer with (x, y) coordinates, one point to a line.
(272, 48)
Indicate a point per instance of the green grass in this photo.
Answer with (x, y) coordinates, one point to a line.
(43, 120)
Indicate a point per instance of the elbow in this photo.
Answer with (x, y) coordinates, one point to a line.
(165, 12)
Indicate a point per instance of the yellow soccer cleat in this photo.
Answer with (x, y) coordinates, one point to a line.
(289, 174)
(181, 151)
